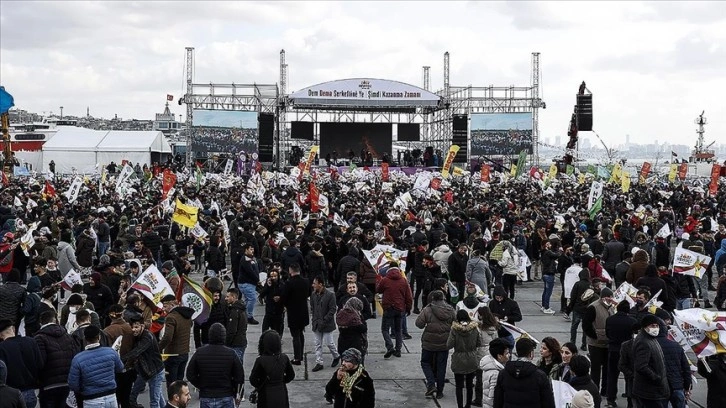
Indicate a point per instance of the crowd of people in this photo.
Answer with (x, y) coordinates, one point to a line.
(100, 343)
(500, 142)
(224, 140)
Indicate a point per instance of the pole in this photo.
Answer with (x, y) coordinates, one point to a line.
(7, 150)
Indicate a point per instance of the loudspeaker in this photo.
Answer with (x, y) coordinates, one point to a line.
(302, 130)
(266, 130)
(409, 132)
(460, 126)
(583, 109)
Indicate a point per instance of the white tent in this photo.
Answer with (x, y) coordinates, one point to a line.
(83, 149)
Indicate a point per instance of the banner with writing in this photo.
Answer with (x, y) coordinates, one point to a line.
(453, 150)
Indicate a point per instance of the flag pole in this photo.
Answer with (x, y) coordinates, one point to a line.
(7, 148)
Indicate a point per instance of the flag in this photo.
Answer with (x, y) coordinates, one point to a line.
(644, 171)
(198, 175)
(595, 208)
(516, 332)
(715, 173)
(153, 285)
(311, 158)
(72, 278)
(485, 173)
(458, 171)
(6, 181)
(169, 97)
(570, 170)
(6, 100)
(228, 166)
(185, 215)
(674, 154)
(453, 150)
(682, 171)
(27, 241)
(381, 256)
(672, 173)
(595, 193)
(191, 294)
(49, 189)
(690, 262)
(198, 232)
(314, 198)
(338, 220)
(664, 231)
(520, 163)
(616, 173)
(74, 190)
(553, 171)
(384, 171)
(625, 181)
(168, 181)
(590, 169)
(435, 183)
(603, 173)
(702, 330)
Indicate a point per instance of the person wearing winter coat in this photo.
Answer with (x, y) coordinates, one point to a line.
(216, 370)
(31, 306)
(521, 384)
(145, 358)
(351, 386)
(637, 267)
(351, 291)
(352, 329)
(581, 379)
(271, 372)
(491, 365)
(465, 340)
(441, 256)
(618, 329)
(57, 350)
(85, 245)
(488, 331)
(10, 397)
(93, 371)
(478, 272)
(435, 319)
(650, 381)
(456, 267)
(315, 261)
(503, 308)
(323, 308)
(175, 341)
(236, 324)
(396, 302)
(66, 254)
(581, 296)
(654, 283)
(12, 294)
(118, 327)
(99, 295)
(22, 356)
(713, 369)
(470, 302)
(510, 267)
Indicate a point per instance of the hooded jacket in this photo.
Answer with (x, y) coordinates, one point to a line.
(441, 256)
(465, 340)
(522, 384)
(66, 258)
(237, 325)
(507, 309)
(57, 349)
(11, 300)
(577, 303)
(177, 329)
(637, 267)
(23, 357)
(396, 291)
(490, 372)
(215, 369)
(435, 319)
(720, 259)
(10, 397)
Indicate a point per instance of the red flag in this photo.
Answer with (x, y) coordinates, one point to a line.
(314, 196)
(49, 190)
(168, 181)
(169, 97)
(435, 183)
(258, 168)
(301, 166)
(449, 196)
(535, 173)
(6, 181)
(683, 171)
(715, 173)
(384, 171)
(366, 168)
(644, 171)
(485, 173)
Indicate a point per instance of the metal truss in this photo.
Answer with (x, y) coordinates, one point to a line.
(261, 98)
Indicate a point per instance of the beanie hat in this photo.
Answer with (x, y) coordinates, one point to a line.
(96, 277)
(606, 292)
(168, 265)
(75, 300)
(582, 399)
(217, 334)
(648, 320)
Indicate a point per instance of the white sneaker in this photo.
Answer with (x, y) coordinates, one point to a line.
(548, 311)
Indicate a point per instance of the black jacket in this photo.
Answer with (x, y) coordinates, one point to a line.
(237, 325)
(522, 384)
(363, 394)
(457, 267)
(676, 364)
(268, 293)
(269, 375)
(22, 356)
(295, 295)
(577, 303)
(507, 310)
(585, 383)
(11, 300)
(713, 369)
(347, 264)
(57, 349)
(619, 329)
(650, 379)
(290, 256)
(100, 296)
(145, 356)
(249, 271)
(215, 370)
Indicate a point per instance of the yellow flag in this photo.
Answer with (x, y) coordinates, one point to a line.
(311, 157)
(581, 178)
(185, 215)
(458, 171)
(553, 172)
(617, 171)
(453, 150)
(625, 180)
(514, 170)
(672, 173)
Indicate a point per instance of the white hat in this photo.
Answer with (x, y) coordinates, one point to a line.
(685, 235)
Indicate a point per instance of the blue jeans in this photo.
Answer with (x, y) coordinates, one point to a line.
(549, 285)
(156, 398)
(109, 401)
(103, 247)
(240, 351)
(175, 367)
(433, 364)
(576, 319)
(223, 402)
(392, 318)
(30, 399)
(249, 291)
(683, 304)
(677, 400)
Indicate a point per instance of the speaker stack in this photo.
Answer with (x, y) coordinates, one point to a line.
(459, 137)
(583, 110)
(266, 129)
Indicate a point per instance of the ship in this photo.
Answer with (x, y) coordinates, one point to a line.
(27, 139)
(702, 158)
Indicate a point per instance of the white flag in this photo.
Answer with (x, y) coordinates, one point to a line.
(338, 220)
(74, 190)
(153, 285)
(665, 231)
(124, 176)
(228, 167)
(595, 193)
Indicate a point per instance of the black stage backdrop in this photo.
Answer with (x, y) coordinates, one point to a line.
(343, 137)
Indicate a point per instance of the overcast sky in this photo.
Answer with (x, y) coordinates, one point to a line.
(653, 67)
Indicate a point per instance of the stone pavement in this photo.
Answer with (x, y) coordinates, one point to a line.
(399, 381)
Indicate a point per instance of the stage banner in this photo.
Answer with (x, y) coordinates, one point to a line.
(713, 185)
(682, 171)
(453, 150)
(690, 262)
(485, 173)
(384, 171)
(644, 171)
(672, 173)
(311, 158)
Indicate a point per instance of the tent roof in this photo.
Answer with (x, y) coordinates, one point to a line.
(80, 139)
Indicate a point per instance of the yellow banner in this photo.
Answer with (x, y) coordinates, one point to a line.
(453, 150)
(553, 172)
(185, 215)
(458, 171)
(311, 158)
(625, 180)
(514, 170)
(581, 178)
(672, 174)
(617, 171)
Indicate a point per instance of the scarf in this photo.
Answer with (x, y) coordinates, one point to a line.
(347, 382)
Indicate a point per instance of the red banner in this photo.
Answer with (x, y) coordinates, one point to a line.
(435, 183)
(682, 171)
(485, 173)
(384, 171)
(449, 196)
(168, 181)
(314, 197)
(715, 173)
(49, 189)
(536, 173)
(644, 171)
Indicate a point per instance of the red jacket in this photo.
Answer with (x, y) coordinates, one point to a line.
(6, 258)
(396, 291)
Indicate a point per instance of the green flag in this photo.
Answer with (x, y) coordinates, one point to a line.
(591, 169)
(570, 170)
(595, 208)
(520, 163)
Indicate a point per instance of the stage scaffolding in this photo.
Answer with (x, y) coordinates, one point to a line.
(435, 122)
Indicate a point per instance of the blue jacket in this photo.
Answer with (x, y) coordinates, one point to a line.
(93, 372)
(720, 258)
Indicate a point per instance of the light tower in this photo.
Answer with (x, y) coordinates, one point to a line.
(426, 86)
(536, 104)
(189, 73)
(281, 110)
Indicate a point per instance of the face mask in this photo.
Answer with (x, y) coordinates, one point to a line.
(73, 309)
(653, 331)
